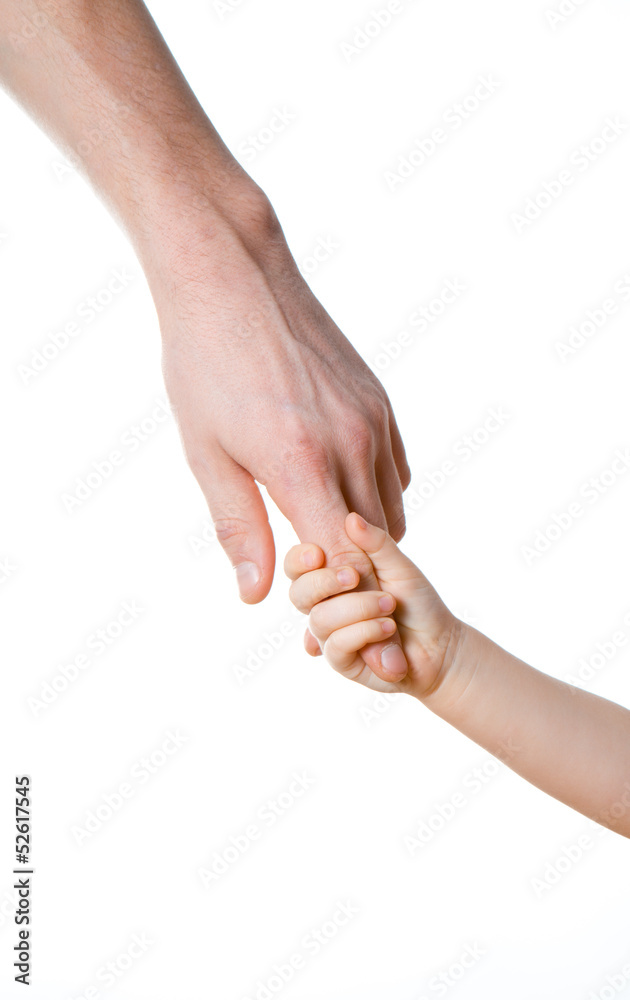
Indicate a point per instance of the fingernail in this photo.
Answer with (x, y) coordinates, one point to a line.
(393, 661)
(345, 577)
(247, 576)
(308, 558)
(388, 625)
(386, 603)
(361, 521)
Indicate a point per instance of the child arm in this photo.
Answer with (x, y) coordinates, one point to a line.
(570, 743)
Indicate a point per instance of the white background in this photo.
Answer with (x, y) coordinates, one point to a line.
(375, 779)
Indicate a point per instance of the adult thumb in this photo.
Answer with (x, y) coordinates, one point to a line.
(240, 522)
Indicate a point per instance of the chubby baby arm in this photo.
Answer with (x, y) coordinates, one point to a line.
(572, 744)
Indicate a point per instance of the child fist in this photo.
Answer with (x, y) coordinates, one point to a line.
(343, 620)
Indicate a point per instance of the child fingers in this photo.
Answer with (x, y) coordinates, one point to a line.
(311, 644)
(389, 562)
(342, 646)
(316, 586)
(302, 558)
(345, 609)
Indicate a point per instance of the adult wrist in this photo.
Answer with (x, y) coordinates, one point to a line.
(191, 223)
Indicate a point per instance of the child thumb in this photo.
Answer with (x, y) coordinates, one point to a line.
(389, 562)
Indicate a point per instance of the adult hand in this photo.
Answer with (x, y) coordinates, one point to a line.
(266, 389)
(264, 385)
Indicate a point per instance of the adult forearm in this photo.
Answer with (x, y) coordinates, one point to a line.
(568, 742)
(101, 81)
(264, 385)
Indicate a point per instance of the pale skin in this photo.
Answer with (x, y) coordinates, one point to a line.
(572, 744)
(264, 385)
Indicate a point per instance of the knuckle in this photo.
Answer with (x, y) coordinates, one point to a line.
(324, 584)
(306, 451)
(227, 529)
(360, 437)
(304, 457)
(331, 648)
(381, 408)
(340, 555)
(314, 624)
(292, 563)
(297, 599)
(317, 619)
(378, 407)
(368, 607)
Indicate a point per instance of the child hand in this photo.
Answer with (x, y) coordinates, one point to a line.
(342, 620)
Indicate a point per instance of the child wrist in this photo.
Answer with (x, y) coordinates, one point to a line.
(445, 687)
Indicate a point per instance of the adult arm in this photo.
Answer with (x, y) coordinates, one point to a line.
(263, 384)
